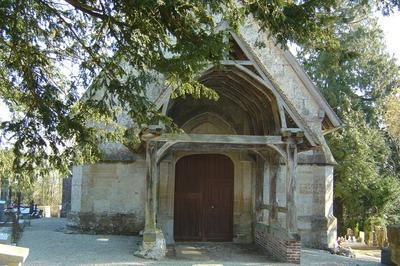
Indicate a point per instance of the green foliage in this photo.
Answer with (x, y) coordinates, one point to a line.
(355, 77)
(40, 39)
(367, 190)
(392, 114)
(359, 69)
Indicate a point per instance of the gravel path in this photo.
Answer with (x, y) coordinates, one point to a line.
(49, 245)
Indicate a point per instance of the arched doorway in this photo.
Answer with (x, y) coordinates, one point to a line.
(203, 206)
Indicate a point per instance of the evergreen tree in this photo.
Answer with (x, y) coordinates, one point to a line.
(39, 39)
(355, 77)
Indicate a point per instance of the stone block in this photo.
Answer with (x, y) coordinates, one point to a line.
(12, 255)
(153, 245)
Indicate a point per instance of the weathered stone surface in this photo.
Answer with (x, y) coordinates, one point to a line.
(153, 246)
(108, 197)
(120, 223)
(12, 255)
(393, 232)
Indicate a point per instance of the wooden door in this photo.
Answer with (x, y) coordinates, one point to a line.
(203, 198)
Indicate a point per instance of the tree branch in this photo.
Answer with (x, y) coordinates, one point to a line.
(87, 9)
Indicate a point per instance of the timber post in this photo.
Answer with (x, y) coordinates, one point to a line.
(273, 212)
(291, 218)
(293, 137)
(153, 245)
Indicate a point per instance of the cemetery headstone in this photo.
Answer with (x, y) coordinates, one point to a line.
(349, 234)
(361, 237)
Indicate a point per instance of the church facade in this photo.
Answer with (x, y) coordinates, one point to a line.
(253, 166)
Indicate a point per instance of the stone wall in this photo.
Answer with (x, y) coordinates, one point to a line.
(277, 243)
(104, 223)
(108, 197)
(314, 202)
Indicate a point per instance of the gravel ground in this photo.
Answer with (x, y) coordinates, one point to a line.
(49, 245)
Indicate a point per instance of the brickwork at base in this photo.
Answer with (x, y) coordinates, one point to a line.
(275, 241)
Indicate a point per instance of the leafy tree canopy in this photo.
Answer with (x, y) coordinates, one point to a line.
(359, 68)
(39, 39)
(367, 190)
(356, 76)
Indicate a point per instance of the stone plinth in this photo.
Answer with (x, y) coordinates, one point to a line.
(153, 245)
(393, 232)
(12, 255)
(275, 241)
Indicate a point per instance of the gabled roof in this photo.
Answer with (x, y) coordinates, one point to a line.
(330, 120)
(248, 61)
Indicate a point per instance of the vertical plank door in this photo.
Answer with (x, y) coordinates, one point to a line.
(203, 198)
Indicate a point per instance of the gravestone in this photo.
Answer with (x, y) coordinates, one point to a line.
(381, 236)
(371, 238)
(361, 237)
(349, 234)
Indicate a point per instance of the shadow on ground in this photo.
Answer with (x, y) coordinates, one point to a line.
(49, 244)
(246, 253)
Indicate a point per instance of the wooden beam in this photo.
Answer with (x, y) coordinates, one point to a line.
(259, 186)
(311, 137)
(273, 174)
(163, 150)
(220, 139)
(239, 62)
(152, 175)
(291, 164)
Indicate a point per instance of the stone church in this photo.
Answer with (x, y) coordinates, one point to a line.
(252, 167)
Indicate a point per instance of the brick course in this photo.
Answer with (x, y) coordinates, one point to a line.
(277, 244)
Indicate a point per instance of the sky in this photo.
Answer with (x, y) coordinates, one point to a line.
(389, 24)
(391, 28)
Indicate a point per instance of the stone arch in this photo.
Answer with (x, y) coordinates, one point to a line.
(208, 123)
(249, 108)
